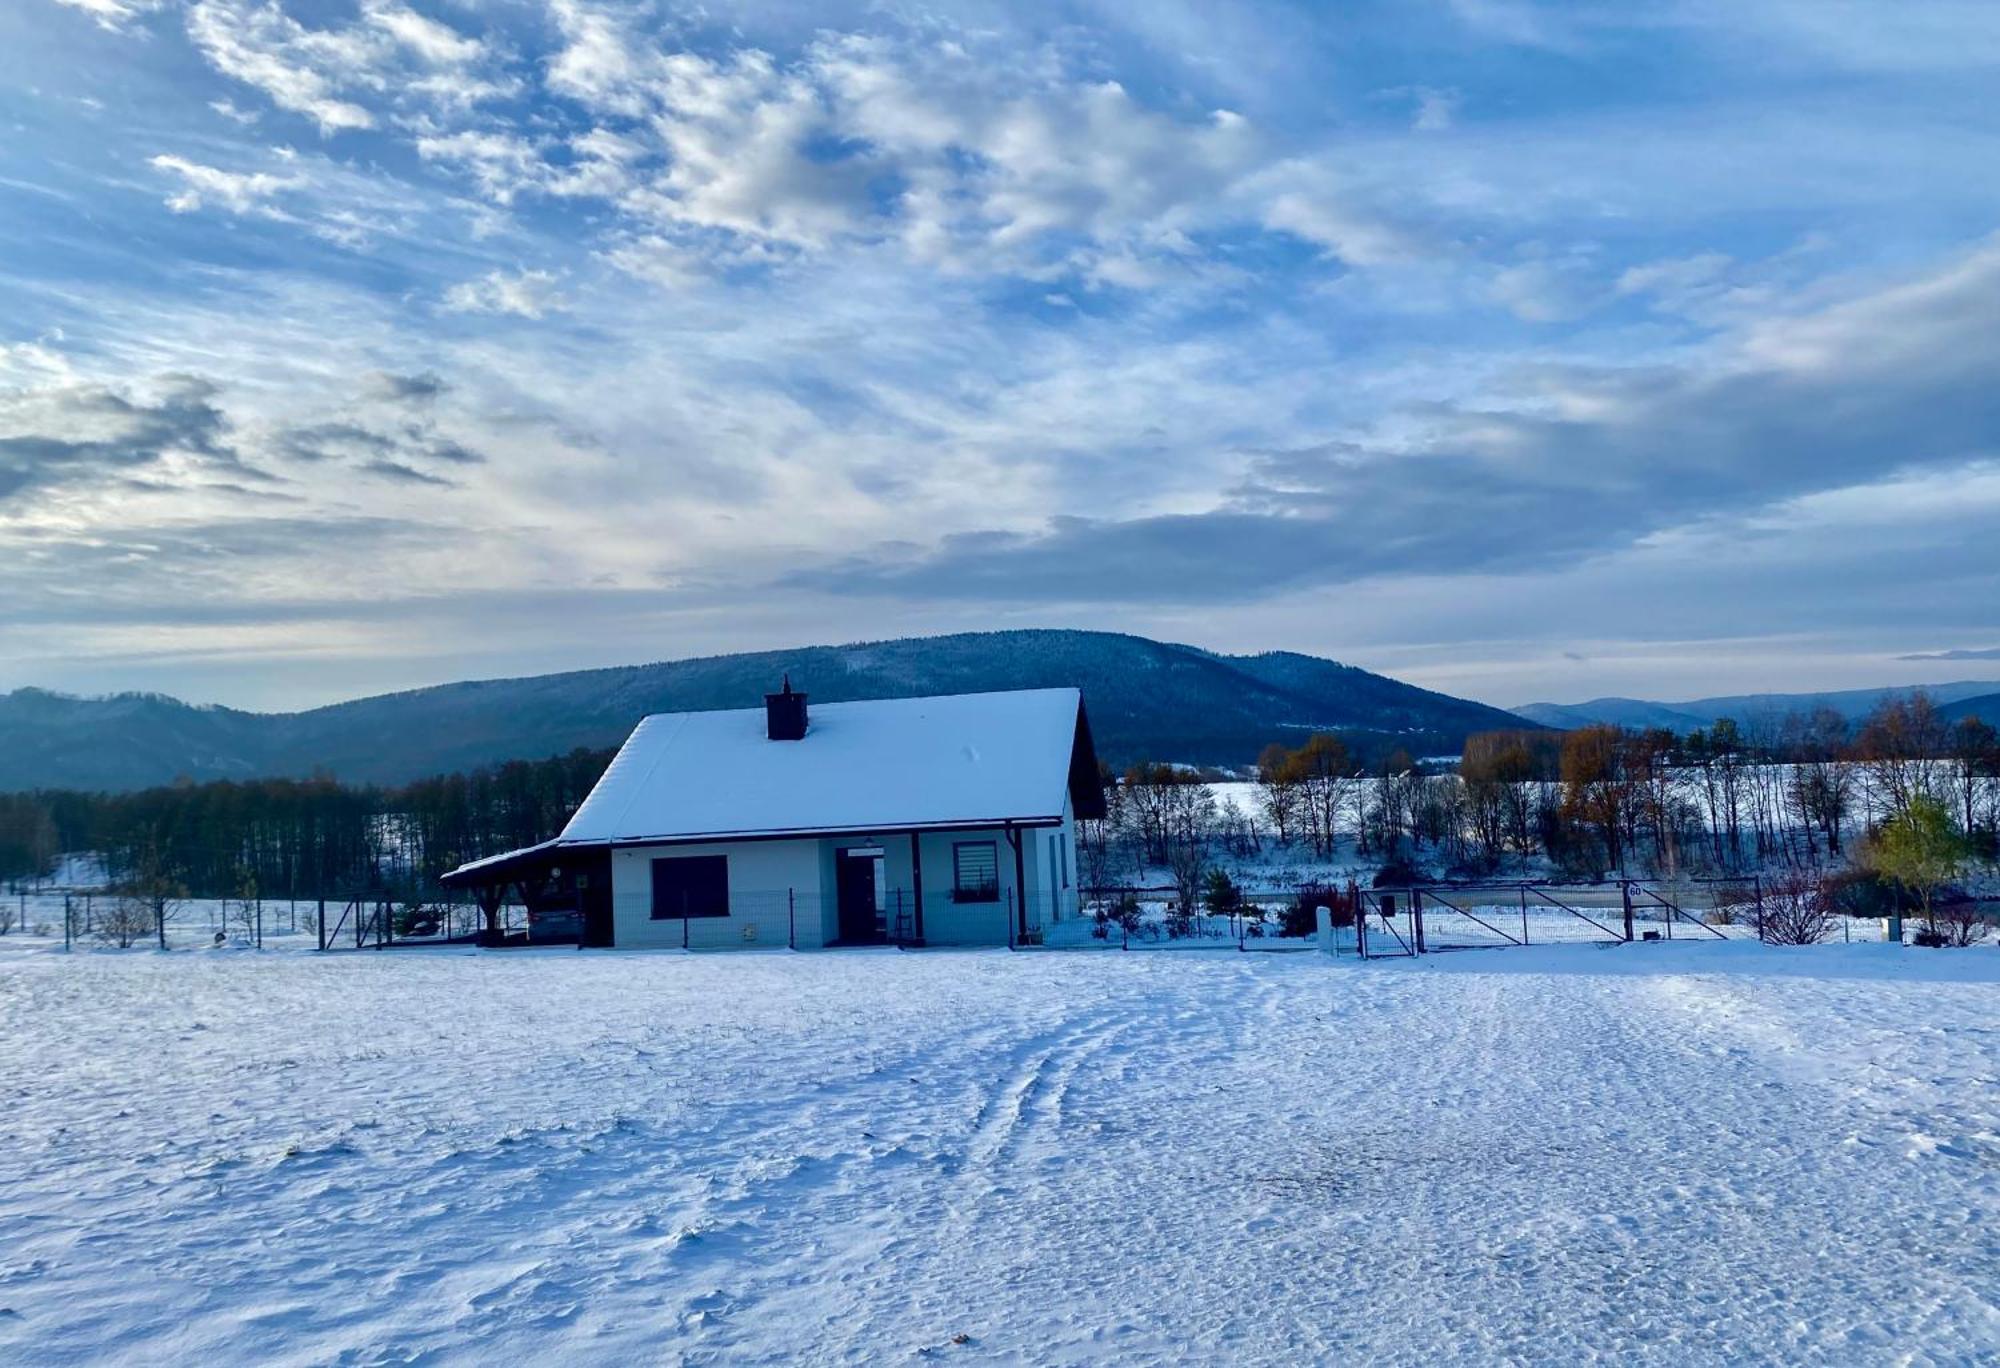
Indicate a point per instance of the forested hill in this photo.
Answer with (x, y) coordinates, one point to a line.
(1147, 700)
(1852, 704)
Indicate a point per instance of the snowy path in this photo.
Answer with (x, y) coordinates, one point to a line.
(1674, 1154)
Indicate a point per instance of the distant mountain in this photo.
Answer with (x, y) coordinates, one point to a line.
(1623, 712)
(1985, 707)
(1853, 704)
(1147, 699)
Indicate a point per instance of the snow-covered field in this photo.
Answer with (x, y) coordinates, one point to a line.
(1671, 1153)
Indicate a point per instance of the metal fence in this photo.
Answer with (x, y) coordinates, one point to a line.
(1420, 919)
(1425, 918)
(1372, 922)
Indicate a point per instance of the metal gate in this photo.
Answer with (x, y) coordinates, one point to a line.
(1425, 918)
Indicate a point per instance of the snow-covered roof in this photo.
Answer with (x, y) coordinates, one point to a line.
(892, 764)
(493, 862)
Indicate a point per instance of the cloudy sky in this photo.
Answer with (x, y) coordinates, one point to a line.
(1525, 351)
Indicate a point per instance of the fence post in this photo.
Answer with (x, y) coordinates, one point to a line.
(1360, 919)
(684, 925)
(66, 931)
(791, 919)
(1417, 921)
(260, 923)
(1524, 916)
(1757, 889)
(322, 921)
(1625, 890)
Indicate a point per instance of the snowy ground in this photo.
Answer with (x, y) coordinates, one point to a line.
(1664, 1153)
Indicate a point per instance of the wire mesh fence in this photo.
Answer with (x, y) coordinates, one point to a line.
(1371, 922)
(1421, 919)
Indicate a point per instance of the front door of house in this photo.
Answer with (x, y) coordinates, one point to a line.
(854, 881)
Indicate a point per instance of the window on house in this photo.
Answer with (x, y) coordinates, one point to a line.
(690, 886)
(975, 872)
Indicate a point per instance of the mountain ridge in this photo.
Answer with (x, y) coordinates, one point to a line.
(1852, 704)
(1147, 700)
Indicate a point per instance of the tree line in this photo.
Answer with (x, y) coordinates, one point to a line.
(1802, 792)
(276, 838)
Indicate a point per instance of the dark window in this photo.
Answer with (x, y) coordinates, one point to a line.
(691, 886)
(975, 872)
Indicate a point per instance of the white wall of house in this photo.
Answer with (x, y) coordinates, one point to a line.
(771, 883)
(785, 891)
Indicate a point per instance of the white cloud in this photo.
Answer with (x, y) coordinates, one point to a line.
(1547, 289)
(527, 294)
(965, 163)
(391, 54)
(598, 65)
(1308, 199)
(501, 163)
(34, 363)
(437, 44)
(229, 110)
(262, 47)
(113, 14)
(237, 192)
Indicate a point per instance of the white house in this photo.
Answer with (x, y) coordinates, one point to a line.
(922, 821)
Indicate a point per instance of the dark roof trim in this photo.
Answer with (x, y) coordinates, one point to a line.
(498, 869)
(835, 833)
(1086, 785)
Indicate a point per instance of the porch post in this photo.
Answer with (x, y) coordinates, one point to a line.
(917, 887)
(1020, 881)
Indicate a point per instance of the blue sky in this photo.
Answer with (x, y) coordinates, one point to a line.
(1523, 351)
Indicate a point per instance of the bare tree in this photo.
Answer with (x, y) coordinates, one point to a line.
(126, 920)
(1597, 792)
(1278, 791)
(1974, 749)
(154, 886)
(1823, 774)
(1795, 911)
(241, 913)
(1901, 742)
(1317, 768)
(1188, 816)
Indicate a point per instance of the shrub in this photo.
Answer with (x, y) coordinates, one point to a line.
(1301, 916)
(1796, 912)
(1121, 912)
(1220, 894)
(417, 919)
(1864, 893)
(124, 921)
(1400, 873)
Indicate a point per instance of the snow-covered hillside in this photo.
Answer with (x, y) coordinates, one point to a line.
(1659, 1153)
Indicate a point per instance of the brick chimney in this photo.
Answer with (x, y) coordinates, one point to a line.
(785, 714)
